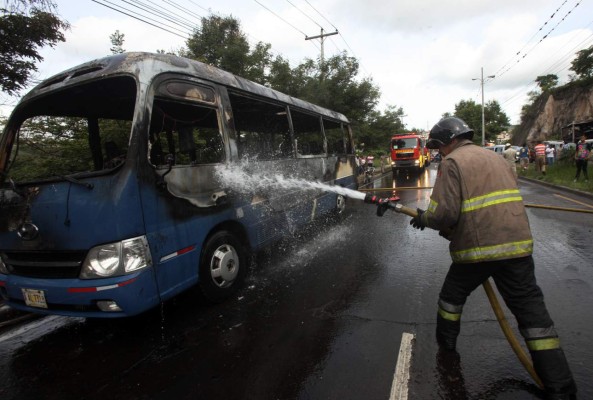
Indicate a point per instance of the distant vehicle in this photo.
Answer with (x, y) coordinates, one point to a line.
(409, 151)
(498, 148)
(556, 144)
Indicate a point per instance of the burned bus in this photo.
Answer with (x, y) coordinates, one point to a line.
(110, 201)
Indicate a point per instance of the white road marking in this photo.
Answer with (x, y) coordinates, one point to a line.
(35, 329)
(399, 387)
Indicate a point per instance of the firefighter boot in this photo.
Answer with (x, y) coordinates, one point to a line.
(553, 370)
(447, 332)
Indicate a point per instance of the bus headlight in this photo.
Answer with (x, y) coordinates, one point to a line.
(115, 259)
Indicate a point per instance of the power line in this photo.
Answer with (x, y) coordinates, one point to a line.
(138, 18)
(302, 12)
(341, 35)
(530, 39)
(585, 43)
(279, 17)
(322, 16)
(151, 11)
(542, 39)
(159, 12)
(203, 8)
(177, 6)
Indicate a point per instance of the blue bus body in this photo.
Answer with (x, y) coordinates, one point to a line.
(85, 234)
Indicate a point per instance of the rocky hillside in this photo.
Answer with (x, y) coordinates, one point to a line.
(551, 116)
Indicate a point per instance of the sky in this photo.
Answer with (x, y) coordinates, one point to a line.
(425, 56)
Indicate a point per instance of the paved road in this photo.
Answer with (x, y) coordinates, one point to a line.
(321, 317)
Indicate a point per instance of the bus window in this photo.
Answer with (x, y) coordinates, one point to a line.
(187, 131)
(262, 128)
(75, 131)
(335, 137)
(307, 133)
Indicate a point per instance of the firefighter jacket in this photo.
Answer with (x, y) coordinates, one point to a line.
(476, 204)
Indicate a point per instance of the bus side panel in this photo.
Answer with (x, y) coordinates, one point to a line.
(176, 230)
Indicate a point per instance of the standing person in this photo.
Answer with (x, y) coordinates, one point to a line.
(550, 153)
(540, 157)
(524, 157)
(510, 155)
(476, 204)
(581, 157)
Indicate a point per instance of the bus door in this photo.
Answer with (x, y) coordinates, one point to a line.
(181, 201)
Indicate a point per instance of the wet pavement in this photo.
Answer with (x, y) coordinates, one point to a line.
(321, 317)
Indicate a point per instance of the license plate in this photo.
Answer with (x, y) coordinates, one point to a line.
(34, 298)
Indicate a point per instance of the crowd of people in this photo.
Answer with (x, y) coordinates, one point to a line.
(544, 156)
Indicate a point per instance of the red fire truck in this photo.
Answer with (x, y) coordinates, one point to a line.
(408, 151)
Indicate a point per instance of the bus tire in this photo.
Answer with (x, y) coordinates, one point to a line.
(341, 207)
(223, 266)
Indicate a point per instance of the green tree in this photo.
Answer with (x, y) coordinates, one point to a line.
(25, 26)
(220, 42)
(471, 113)
(379, 127)
(547, 82)
(117, 41)
(283, 78)
(339, 89)
(495, 119)
(582, 65)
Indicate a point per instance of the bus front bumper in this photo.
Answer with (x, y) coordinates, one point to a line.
(120, 296)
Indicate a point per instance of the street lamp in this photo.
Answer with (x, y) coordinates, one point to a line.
(483, 122)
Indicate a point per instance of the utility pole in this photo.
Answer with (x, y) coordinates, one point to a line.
(322, 38)
(481, 79)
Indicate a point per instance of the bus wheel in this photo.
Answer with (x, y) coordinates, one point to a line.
(223, 266)
(340, 205)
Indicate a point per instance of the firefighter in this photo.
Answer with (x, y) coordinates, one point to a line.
(476, 205)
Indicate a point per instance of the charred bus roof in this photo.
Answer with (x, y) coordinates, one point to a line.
(148, 65)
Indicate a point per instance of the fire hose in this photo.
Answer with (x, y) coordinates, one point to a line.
(384, 204)
(527, 205)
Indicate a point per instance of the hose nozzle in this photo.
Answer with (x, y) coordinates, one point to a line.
(383, 203)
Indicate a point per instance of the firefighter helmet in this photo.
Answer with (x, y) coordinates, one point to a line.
(446, 130)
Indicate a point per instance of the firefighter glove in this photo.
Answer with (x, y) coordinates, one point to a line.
(416, 222)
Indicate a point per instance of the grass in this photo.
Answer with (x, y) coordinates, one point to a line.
(562, 173)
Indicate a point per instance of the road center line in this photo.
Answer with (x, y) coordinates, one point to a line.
(399, 387)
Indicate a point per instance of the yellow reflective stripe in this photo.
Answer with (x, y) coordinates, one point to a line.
(513, 249)
(432, 206)
(543, 344)
(449, 316)
(490, 199)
